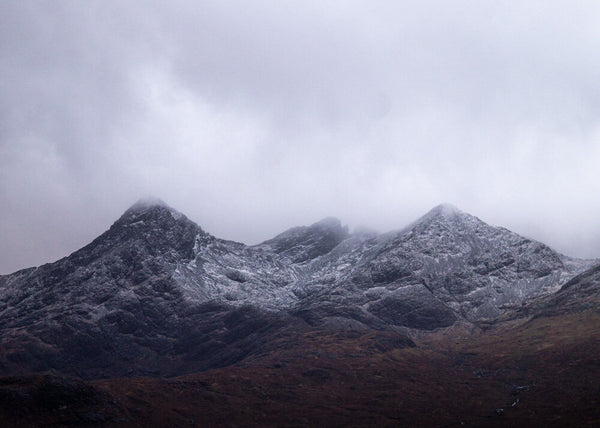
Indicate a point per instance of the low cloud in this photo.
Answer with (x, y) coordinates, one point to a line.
(254, 119)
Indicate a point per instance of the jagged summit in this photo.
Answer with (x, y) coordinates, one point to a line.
(446, 215)
(151, 203)
(304, 243)
(445, 211)
(148, 229)
(328, 222)
(446, 208)
(150, 209)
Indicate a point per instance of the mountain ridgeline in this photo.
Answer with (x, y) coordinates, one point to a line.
(157, 295)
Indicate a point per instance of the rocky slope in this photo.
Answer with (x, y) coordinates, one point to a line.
(446, 267)
(579, 294)
(155, 294)
(146, 297)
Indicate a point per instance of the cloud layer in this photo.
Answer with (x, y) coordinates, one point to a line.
(254, 118)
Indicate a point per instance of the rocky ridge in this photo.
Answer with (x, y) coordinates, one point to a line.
(156, 294)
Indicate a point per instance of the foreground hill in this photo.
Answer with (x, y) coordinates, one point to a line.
(541, 372)
(157, 295)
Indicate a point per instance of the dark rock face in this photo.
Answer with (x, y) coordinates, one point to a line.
(156, 295)
(583, 285)
(415, 309)
(579, 294)
(301, 244)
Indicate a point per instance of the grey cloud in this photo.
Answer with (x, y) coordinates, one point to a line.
(251, 119)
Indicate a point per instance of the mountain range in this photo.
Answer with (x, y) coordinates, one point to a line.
(156, 295)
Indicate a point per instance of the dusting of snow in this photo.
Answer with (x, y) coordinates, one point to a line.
(446, 259)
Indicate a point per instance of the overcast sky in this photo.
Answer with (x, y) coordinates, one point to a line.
(252, 117)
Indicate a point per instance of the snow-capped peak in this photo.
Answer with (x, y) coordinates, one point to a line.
(442, 213)
(445, 210)
(148, 202)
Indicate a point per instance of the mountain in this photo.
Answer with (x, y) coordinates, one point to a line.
(446, 267)
(137, 300)
(157, 295)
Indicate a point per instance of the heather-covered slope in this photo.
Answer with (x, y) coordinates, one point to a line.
(539, 373)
